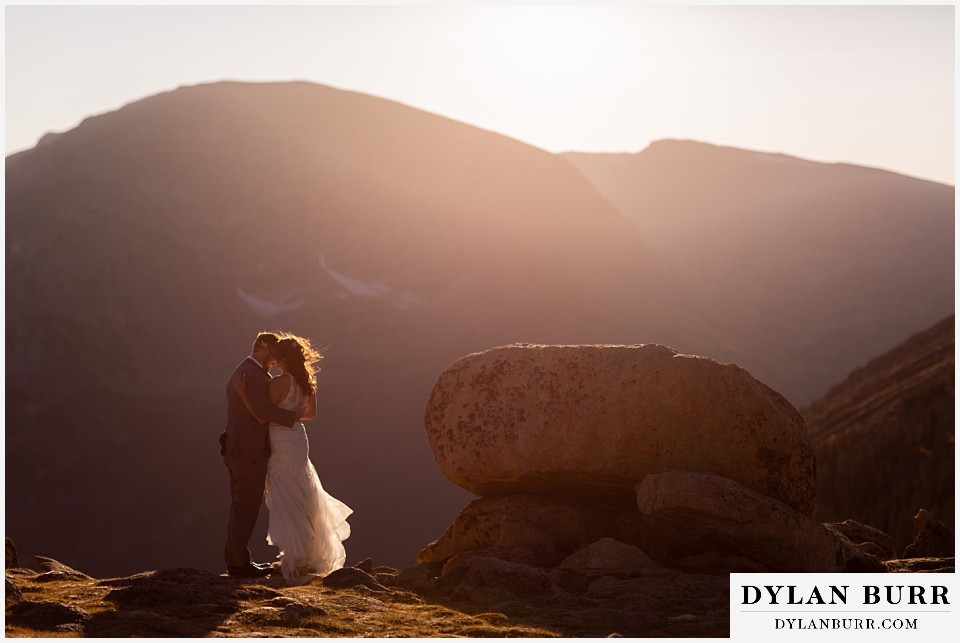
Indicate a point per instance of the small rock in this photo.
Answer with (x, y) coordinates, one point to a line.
(348, 577)
(421, 578)
(547, 528)
(479, 570)
(296, 612)
(387, 579)
(55, 570)
(12, 593)
(608, 557)
(860, 534)
(682, 617)
(920, 565)
(13, 560)
(282, 601)
(875, 550)
(365, 565)
(933, 540)
(22, 573)
(45, 615)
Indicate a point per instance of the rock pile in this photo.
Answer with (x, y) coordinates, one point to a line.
(620, 462)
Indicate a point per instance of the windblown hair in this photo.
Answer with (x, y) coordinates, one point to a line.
(299, 356)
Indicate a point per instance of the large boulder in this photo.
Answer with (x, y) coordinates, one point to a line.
(688, 514)
(547, 419)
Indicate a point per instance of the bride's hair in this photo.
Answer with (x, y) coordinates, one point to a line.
(299, 356)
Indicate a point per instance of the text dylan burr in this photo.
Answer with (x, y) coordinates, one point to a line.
(837, 595)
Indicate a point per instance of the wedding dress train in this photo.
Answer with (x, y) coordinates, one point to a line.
(307, 524)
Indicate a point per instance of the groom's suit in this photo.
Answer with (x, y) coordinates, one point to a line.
(245, 450)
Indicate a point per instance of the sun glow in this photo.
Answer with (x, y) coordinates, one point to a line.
(545, 55)
(813, 81)
(552, 68)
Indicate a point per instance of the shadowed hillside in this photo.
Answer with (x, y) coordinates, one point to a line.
(884, 438)
(810, 269)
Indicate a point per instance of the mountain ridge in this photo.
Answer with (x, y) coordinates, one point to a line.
(839, 249)
(784, 156)
(146, 248)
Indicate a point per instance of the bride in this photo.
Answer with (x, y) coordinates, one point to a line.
(307, 524)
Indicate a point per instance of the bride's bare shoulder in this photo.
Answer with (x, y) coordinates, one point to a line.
(279, 386)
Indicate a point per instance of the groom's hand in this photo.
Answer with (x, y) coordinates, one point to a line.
(240, 383)
(301, 411)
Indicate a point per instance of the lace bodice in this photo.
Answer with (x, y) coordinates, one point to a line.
(294, 394)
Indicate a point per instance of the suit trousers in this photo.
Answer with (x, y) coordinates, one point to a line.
(247, 480)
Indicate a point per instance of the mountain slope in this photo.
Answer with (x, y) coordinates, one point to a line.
(146, 247)
(884, 438)
(812, 265)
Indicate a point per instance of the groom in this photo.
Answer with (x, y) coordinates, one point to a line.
(245, 447)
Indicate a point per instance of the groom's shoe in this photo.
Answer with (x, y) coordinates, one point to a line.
(247, 571)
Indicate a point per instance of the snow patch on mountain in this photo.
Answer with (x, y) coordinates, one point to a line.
(409, 299)
(372, 290)
(355, 286)
(266, 308)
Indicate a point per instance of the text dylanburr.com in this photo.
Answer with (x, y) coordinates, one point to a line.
(847, 607)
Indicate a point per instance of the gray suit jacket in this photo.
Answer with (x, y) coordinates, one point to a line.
(245, 437)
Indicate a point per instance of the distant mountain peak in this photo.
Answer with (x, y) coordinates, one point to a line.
(668, 149)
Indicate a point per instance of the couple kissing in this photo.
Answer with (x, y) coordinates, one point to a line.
(266, 451)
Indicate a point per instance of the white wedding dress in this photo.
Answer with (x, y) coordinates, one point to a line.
(306, 523)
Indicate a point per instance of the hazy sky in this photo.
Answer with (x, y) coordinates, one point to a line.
(872, 85)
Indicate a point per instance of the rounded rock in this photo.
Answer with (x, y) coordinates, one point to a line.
(546, 419)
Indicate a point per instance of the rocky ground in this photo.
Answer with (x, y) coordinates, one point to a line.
(59, 601)
(367, 601)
